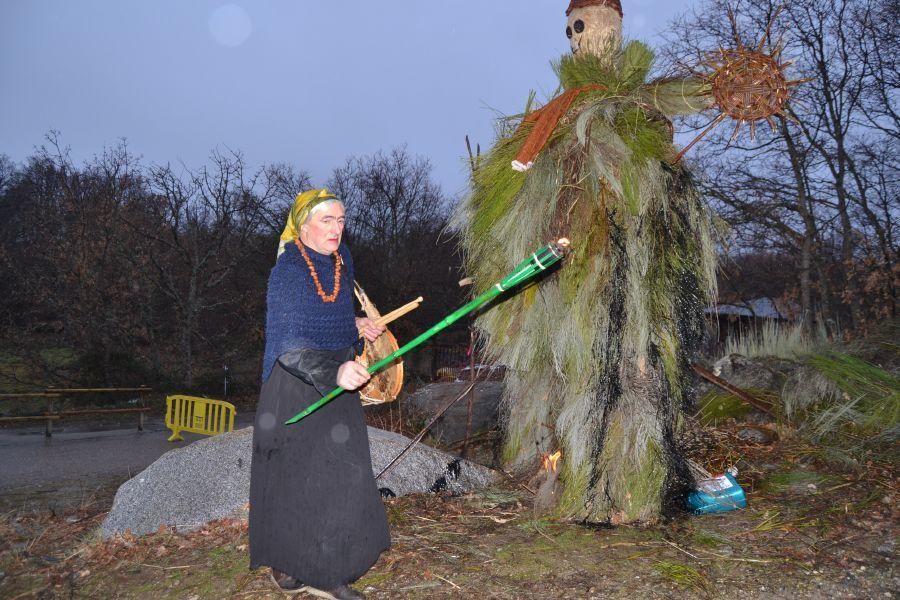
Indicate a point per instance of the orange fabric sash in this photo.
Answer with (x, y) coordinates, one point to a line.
(545, 120)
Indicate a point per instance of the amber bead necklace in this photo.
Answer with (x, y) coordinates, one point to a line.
(327, 298)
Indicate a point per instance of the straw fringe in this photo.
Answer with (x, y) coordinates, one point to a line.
(598, 353)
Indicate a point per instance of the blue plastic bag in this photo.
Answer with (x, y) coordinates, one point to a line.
(717, 495)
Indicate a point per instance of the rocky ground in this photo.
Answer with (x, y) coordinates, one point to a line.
(810, 531)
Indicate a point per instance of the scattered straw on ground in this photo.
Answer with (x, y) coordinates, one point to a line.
(808, 532)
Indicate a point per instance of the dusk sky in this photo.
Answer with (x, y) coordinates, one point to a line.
(303, 82)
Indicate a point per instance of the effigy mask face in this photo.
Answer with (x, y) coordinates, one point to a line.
(594, 30)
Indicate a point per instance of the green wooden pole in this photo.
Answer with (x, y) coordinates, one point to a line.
(539, 261)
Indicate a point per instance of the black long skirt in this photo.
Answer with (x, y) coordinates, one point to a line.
(315, 511)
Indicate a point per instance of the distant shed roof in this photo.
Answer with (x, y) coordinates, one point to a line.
(760, 308)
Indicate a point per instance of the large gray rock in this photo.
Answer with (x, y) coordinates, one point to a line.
(760, 373)
(186, 488)
(210, 479)
(451, 427)
(752, 375)
(423, 469)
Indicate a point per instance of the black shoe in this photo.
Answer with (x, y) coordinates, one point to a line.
(342, 592)
(286, 583)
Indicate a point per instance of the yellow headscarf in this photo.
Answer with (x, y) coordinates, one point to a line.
(304, 203)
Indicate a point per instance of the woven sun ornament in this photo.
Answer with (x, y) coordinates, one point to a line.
(747, 85)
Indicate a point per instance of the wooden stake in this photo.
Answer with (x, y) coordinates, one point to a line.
(728, 387)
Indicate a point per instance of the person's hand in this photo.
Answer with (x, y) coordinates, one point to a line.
(368, 328)
(351, 375)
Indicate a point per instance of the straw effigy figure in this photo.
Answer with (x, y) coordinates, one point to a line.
(598, 354)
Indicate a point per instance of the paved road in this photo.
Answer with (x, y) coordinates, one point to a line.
(82, 457)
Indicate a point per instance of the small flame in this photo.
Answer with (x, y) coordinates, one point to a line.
(549, 461)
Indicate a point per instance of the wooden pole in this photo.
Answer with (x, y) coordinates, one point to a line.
(425, 429)
(48, 426)
(52, 390)
(29, 418)
(471, 398)
(141, 414)
(728, 387)
(100, 411)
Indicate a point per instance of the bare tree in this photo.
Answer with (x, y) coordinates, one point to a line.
(65, 245)
(395, 218)
(209, 219)
(820, 189)
(7, 173)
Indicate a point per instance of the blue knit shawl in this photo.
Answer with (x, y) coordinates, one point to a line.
(296, 317)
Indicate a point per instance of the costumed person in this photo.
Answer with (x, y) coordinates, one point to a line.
(598, 356)
(316, 516)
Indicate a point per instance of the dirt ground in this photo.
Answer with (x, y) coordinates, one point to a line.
(809, 531)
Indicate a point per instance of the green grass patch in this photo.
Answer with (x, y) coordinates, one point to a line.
(718, 406)
(58, 358)
(396, 515)
(529, 561)
(535, 525)
(18, 375)
(12, 370)
(847, 406)
(710, 539)
(222, 568)
(795, 480)
(683, 576)
(546, 550)
(871, 395)
(374, 578)
(493, 497)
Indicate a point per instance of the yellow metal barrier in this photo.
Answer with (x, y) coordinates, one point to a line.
(198, 415)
